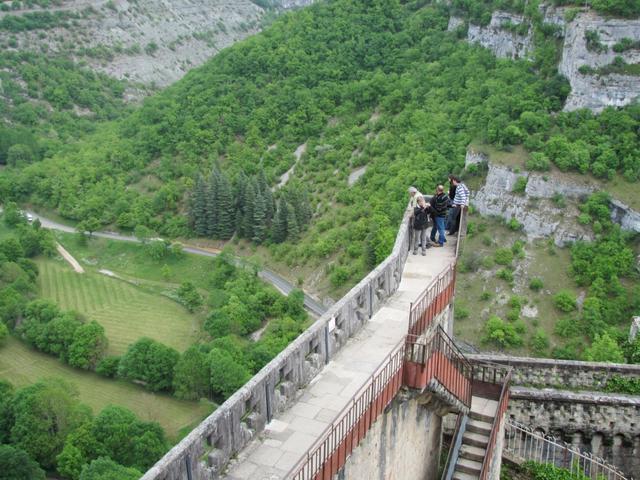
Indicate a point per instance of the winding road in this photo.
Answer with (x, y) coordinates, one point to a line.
(311, 304)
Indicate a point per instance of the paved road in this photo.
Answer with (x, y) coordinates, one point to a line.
(273, 278)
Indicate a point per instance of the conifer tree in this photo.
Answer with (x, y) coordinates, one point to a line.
(197, 210)
(225, 208)
(249, 207)
(239, 187)
(293, 230)
(259, 220)
(269, 206)
(263, 185)
(280, 222)
(212, 205)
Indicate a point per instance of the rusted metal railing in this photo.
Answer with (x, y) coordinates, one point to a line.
(525, 444)
(438, 359)
(338, 441)
(432, 301)
(490, 372)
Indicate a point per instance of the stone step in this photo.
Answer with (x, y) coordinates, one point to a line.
(475, 439)
(457, 475)
(472, 453)
(481, 417)
(468, 466)
(479, 426)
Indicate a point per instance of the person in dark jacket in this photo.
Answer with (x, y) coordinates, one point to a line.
(452, 195)
(439, 208)
(420, 223)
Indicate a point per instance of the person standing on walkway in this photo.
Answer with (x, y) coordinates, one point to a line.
(420, 223)
(413, 202)
(439, 207)
(460, 201)
(452, 195)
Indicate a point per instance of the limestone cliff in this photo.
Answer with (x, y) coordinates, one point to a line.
(589, 89)
(535, 208)
(154, 42)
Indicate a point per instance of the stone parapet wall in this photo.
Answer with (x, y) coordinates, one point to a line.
(566, 374)
(204, 453)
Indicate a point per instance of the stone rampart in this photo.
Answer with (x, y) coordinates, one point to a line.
(203, 454)
(564, 374)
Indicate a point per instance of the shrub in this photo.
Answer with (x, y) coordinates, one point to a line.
(487, 263)
(539, 342)
(567, 328)
(559, 200)
(536, 284)
(108, 366)
(619, 384)
(538, 161)
(485, 296)
(500, 333)
(503, 256)
(461, 313)
(514, 225)
(604, 349)
(513, 314)
(565, 301)
(505, 274)
(520, 186)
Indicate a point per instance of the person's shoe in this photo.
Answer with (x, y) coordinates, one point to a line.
(415, 252)
(428, 245)
(437, 245)
(424, 253)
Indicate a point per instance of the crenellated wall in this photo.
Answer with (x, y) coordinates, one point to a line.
(203, 454)
(606, 424)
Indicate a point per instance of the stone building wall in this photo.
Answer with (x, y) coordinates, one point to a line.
(403, 443)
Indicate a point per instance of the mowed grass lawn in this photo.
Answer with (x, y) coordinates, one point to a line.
(23, 366)
(126, 311)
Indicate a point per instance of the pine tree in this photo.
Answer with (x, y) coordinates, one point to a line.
(212, 205)
(306, 212)
(226, 225)
(269, 205)
(280, 222)
(197, 208)
(293, 230)
(239, 187)
(259, 220)
(263, 185)
(249, 206)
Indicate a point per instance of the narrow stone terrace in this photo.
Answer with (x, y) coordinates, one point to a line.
(287, 438)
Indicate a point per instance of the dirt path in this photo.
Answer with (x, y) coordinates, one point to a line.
(67, 256)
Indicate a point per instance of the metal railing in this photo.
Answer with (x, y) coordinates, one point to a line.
(492, 377)
(432, 301)
(329, 454)
(440, 359)
(526, 444)
(456, 445)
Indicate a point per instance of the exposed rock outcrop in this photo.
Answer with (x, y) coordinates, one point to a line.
(498, 38)
(535, 209)
(599, 91)
(154, 42)
(589, 90)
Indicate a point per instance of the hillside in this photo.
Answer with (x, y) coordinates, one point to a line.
(339, 107)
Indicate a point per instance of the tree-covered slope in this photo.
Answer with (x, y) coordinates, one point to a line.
(377, 84)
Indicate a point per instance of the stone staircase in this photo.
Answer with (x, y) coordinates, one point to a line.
(475, 439)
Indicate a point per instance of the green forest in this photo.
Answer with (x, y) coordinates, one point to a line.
(379, 84)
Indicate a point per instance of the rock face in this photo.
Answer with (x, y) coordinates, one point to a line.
(594, 91)
(591, 91)
(499, 39)
(535, 209)
(154, 42)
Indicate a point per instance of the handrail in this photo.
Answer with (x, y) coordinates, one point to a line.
(462, 230)
(497, 423)
(337, 442)
(456, 443)
(527, 444)
(433, 299)
(442, 360)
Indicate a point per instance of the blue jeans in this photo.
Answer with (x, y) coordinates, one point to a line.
(439, 225)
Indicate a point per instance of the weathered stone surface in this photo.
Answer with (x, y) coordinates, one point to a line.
(502, 42)
(635, 328)
(592, 91)
(544, 219)
(403, 443)
(572, 374)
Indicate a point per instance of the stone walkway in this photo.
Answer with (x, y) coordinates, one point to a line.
(287, 438)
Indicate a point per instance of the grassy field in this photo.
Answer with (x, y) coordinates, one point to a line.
(131, 259)
(125, 311)
(483, 294)
(22, 366)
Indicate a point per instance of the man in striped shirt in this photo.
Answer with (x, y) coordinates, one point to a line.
(460, 201)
